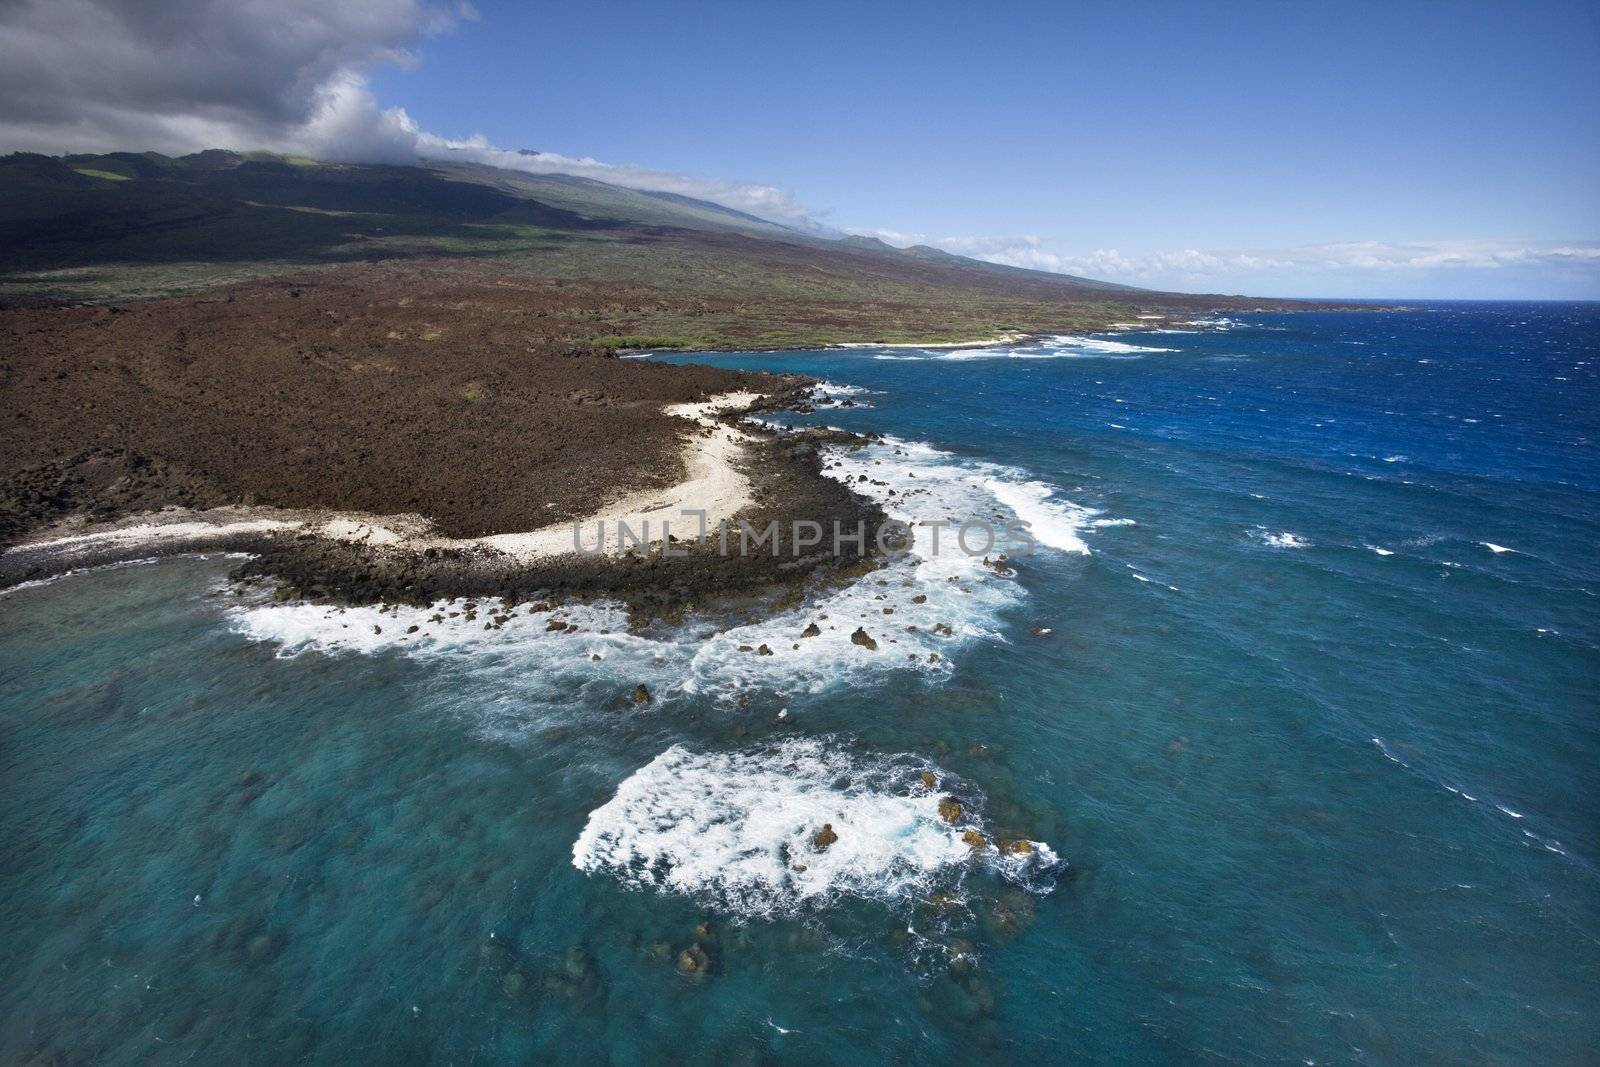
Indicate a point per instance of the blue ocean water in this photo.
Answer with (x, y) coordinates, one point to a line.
(1298, 702)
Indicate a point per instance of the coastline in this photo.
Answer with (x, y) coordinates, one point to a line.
(368, 436)
(733, 472)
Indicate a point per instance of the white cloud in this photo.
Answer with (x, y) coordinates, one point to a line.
(285, 75)
(1417, 268)
(767, 201)
(178, 75)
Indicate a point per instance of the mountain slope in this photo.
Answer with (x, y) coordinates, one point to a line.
(126, 225)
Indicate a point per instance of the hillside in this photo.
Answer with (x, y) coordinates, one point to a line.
(124, 226)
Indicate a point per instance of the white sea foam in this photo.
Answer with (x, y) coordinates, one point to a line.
(1381, 551)
(1059, 346)
(735, 830)
(1219, 322)
(1100, 344)
(1281, 539)
(831, 394)
(938, 601)
(1496, 549)
(1054, 523)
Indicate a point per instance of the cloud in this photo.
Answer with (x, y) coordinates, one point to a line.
(178, 75)
(1349, 268)
(766, 201)
(285, 75)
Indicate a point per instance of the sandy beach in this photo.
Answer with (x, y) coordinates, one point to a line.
(714, 486)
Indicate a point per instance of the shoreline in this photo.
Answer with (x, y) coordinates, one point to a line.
(1187, 319)
(732, 472)
(715, 485)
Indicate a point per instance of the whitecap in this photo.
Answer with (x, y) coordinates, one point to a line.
(1390, 756)
(736, 830)
(1281, 539)
(1059, 346)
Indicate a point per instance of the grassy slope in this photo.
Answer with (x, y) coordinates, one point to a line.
(126, 226)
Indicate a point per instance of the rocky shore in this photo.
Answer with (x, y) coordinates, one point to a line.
(368, 443)
(328, 557)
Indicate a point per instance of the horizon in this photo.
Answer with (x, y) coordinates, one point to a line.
(1366, 165)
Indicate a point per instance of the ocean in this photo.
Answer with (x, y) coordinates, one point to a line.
(1289, 726)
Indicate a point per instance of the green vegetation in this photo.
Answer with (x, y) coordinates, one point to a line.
(636, 341)
(108, 175)
(688, 274)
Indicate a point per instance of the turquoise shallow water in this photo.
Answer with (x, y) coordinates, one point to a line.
(1311, 800)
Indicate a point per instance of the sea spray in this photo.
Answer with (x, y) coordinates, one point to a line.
(743, 830)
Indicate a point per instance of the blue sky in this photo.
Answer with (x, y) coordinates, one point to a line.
(1401, 149)
(1234, 130)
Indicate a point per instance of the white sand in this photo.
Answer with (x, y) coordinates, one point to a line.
(713, 486)
(156, 533)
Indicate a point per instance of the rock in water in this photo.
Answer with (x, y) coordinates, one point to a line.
(864, 639)
(975, 840)
(824, 837)
(1020, 847)
(930, 781)
(693, 962)
(641, 695)
(811, 631)
(949, 809)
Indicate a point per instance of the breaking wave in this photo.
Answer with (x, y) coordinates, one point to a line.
(1280, 539)
(921, 609)
(738, 830)
(1059, 346)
